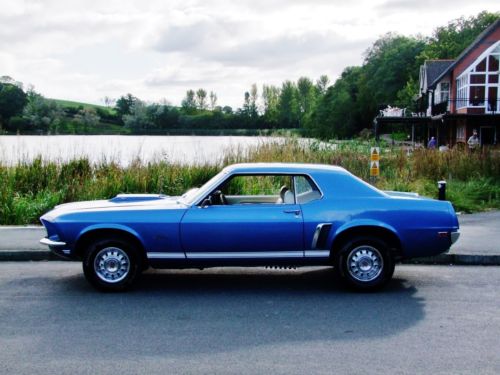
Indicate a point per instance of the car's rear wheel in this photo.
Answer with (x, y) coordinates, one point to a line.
(111, 264)
(365, 263)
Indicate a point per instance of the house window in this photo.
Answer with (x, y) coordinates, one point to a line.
(462, 94)
(476, 96)
(444, 92)
(493, 63)
(479, 86)
(493, 99)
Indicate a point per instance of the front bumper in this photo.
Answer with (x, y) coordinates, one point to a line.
(49, 242)
(59, 248)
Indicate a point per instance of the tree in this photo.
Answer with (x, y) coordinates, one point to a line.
(322, 84)
(124, 104)
(337, 112)
(447, 42)
(43, 114)
(108, 102)
(253, 110)
(139, 118)
(306, 97)
(406, 97)
(288, 105)
(189, 103)
(201, 99)
(12, 101)
(388, 65)
(11, 81)
(87, 118)
(163, 116)
(271, 98)
(213, 100)
(246, 105)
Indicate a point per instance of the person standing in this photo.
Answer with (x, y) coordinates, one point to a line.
(473, 141)
(432, 143)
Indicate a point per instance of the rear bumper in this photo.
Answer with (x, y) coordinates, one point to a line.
(454, 236)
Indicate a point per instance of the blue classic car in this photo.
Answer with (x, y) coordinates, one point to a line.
(254, 215)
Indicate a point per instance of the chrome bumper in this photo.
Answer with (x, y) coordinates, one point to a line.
(454, 236)
(49, 242)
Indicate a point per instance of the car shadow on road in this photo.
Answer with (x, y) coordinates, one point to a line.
(185, 312)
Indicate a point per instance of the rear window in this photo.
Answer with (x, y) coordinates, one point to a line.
(306, 190)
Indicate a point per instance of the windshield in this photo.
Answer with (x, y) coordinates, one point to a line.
(192, 195)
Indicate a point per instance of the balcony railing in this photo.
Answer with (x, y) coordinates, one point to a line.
(489, 106)
(440, 108)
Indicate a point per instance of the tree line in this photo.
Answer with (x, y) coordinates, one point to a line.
(388, 76)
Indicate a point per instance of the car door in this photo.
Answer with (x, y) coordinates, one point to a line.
(248, 224)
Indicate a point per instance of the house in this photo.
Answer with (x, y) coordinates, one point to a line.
(462, 95)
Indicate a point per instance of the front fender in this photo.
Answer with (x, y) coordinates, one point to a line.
(109, 226)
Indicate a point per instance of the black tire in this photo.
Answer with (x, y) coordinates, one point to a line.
(111, 264)
(364, 264)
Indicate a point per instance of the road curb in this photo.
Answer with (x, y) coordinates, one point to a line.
(458, 259)
(26, 255)
(444, 259)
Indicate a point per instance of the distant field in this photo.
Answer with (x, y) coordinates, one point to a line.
(69, 103)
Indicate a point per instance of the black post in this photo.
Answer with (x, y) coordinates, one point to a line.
(442, 190)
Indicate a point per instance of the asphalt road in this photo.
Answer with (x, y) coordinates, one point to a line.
(430, 320)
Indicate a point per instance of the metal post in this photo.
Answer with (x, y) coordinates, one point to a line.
(413, 135)
(442, 190)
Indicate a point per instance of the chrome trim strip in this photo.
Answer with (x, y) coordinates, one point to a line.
(454, 236)
(245, 255)
(316, 235)
(242, 255)
(317, 253)
(49, 242)
(165, 255)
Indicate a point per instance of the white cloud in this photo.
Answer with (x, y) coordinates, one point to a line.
(88, 49)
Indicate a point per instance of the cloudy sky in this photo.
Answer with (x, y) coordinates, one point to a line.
(85, 50)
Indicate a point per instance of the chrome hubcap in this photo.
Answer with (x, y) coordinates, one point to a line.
(112, 264)
(365, 263)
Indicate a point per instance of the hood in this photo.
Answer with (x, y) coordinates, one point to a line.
(120, 201)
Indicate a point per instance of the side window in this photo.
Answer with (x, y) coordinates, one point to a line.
(255, 189)
(306, 190)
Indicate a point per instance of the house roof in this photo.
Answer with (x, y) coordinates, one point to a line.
(434, 68)
(466, 51)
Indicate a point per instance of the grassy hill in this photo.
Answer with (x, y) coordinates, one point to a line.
(78, 105)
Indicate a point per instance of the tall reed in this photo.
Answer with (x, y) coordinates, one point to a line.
(30, 188)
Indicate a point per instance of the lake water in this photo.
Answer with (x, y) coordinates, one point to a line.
(124, 149)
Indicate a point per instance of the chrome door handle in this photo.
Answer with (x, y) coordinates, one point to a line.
(296, 212)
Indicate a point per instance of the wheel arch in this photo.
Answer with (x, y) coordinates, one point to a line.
(94, 233)
(387, 235)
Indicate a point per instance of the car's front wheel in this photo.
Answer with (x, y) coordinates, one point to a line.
(111, 264)
(365, 263)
